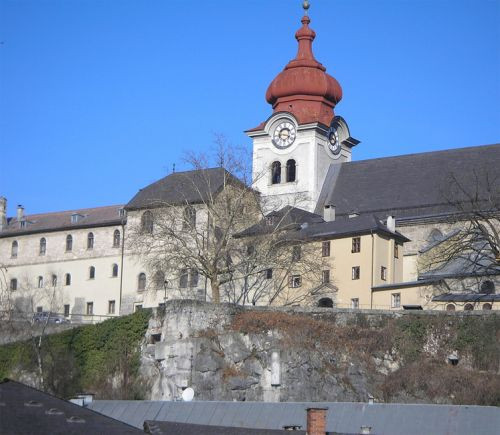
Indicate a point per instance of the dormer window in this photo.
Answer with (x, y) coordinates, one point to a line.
(75, 218)
(22, 224)
(121, 212)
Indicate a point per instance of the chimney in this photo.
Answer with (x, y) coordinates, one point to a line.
(3, 213)
(20, 213)
(329, 213)
(391, 224)
(316, 421)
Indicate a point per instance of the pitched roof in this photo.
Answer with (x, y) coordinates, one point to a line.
(466, 297)
(384, 418)
(26, 410)
(176, 428)
(61, 220)
(405, 186)
(188, 187)
(312, 226)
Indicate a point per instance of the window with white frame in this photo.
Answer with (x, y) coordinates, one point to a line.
(356, 272)
(295, 281)
(90, 308)
(355, 303)
(383, 273)
(395, 300)
(356, 244)
(111, 307)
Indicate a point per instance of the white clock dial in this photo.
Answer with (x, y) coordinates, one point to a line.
(333, 141)
(284, 135)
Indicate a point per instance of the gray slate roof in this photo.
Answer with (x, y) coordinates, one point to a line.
(303, 225)
(61, 220)
(176, 428)
(404, 186)
(387, 419)
(189, 187)
(25, 410)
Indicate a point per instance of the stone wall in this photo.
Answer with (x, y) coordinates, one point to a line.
(194, 344)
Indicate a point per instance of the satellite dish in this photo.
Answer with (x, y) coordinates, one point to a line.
(188, 394)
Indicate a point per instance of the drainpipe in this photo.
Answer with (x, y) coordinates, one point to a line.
(121, 268)
(373, 265)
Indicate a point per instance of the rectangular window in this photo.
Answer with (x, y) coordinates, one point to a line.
(90, 308)
(39, 309)
(325, 276)
(269, 273)
(138, 307)
(183, 278)
(383, 273)
(355, 303)
(295, 281)
(356, 272)
(356, 244)
(296, 253)
(13, 284)
(325, 249)
(193, 278)
(395, 300)
(66, 311)
(396, 250)
(111, 307)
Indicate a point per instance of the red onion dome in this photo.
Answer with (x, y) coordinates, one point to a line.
(303, 87)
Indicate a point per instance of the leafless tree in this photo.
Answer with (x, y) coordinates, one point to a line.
(471, 249)
(189, 238)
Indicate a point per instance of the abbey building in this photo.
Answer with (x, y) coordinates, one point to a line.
(384, 228)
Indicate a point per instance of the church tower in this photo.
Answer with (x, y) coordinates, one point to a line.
(294, 148)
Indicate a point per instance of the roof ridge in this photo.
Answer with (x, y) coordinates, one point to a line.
(448, 150)
(71, 210)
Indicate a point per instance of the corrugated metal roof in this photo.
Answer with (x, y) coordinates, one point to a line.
(384, 418)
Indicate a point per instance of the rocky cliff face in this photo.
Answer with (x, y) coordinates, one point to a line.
(230, 353)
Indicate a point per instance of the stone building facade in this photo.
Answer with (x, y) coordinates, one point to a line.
(80, 262)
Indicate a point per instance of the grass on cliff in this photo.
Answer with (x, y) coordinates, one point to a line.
(102, 358)
(419, 344)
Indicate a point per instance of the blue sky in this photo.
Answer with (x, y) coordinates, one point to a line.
(98, 98)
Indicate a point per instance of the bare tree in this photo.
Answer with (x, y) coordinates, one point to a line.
(190, 238)
(471, 249)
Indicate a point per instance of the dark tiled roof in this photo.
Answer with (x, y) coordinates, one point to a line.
(61, 220)
(344, 227)
(189, 187)
(303, 225)
(175, 428)
(406, 186)
(25, 410)
(286, 218)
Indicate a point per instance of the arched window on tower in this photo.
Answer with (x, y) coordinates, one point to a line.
(291, 171)
(147, 222)
(276, 173)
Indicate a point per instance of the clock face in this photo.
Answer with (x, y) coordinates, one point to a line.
(284, 135)
(333, 141)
